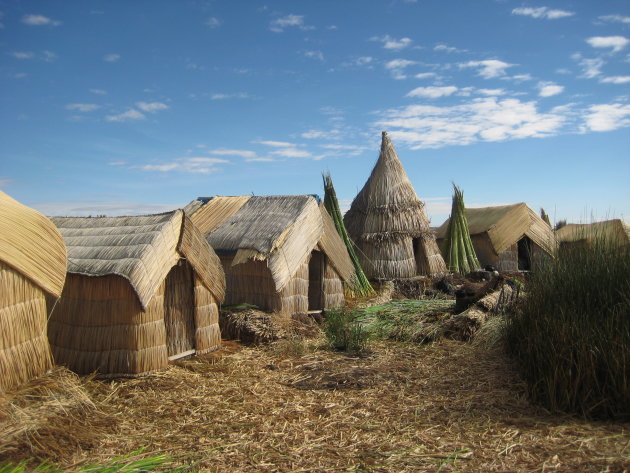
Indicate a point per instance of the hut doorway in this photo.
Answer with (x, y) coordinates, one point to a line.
(524, 254)
(422, 263)
(179, 311)
(316, 267)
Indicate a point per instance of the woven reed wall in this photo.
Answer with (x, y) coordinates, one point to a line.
(508, 259)
(24, 348)
(484, 249)
(252, 283)
(179, 309)
(98, 325)
(429, 260)
(390, 260)
(333, 288)
(207, 333)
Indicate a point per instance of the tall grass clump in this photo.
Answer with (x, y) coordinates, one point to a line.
(344, 332)
(571, 334)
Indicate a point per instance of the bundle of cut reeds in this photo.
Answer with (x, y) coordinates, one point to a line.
(362, 286)
(459, 252)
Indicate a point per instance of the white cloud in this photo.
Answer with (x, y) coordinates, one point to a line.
(481, 119)
(616, 80)
(117, 163)
(520, 77)
(98, 91)
(432, 92)
(49, 56)
(549, 89)
(238, 95)
(280, 24)
(617, 43)
(314, 134)
(607, 117)
(291, 152)
(151, 107)
(425, 75)
(314, 55)
(83, 107)
(397, 67)
(392, 43)
(488, 69)
(261, 160)
(197, 165)
(448, 49)
(542, 12)
(359, 62)
(615, 18)
(213, 22)
(276, 144)
(22, 54)
(39, 20)
(111, 57)
(130, 114)
(233, 152)
(491, 92)
(590, 67)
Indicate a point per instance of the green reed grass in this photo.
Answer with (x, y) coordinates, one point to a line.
(571, 334)
(344, 331)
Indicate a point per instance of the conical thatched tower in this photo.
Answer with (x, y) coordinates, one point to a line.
(388, 223)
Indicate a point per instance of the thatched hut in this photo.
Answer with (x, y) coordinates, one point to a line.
(614, 232)
(389, 225)
(508, 237)
(140, 291)
(32, 265)
(280, 253)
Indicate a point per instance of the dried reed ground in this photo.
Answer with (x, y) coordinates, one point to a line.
(403, 407)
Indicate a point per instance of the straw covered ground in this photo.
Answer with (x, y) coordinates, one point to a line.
(294, 406)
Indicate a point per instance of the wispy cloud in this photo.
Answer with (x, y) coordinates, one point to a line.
(591, 67)
(276, 144)
(432, 92)
(151, 107)
(393, 43)
(542, 12)
(113, 57)
(314, 55)
(616, 80)
(278, 25)
(98, 91)
(607, 117)
(83, 107)
(481, 119)
(238, 95)
(285, 149)
(491, 92)
(243, 153)
(213, 22)
(39, 20)
(397, 67)
(616, 18)
(129, 115)
(22, 54)
(361, 61)
(197, 165)
(616, 43)
(425, 75)
(549, 89)
(86, 208)
(489, 68)
(49, 56)
(448, 49)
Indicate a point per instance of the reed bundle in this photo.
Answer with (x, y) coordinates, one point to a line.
(458, 247)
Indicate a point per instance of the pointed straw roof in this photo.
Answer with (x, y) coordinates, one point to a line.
(141, 249)
(30, 243)
(387, 205)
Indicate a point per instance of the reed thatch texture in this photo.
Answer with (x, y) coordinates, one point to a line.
(24, 348)
(385, 217)
(108, 321)
(333, 288)
(495, 230)
(208, 213)
(334, 247)
(32, 267)
(30, 243)
(615, 232)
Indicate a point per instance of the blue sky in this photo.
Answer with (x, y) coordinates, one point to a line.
(122, 107)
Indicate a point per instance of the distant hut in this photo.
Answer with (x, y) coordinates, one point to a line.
(280, 253)
(389, 225)
(614, 232)
(140, 291)
(32, 266)
(508, 237)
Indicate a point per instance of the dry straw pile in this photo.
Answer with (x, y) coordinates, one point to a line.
(32, 266)
(389, 225)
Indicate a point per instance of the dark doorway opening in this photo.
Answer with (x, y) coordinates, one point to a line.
(316, 280)
(525, 254)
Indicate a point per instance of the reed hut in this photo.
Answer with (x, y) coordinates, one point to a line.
(32, 266)
(140, 291)
(280, 253)
(508, 237)
(389, 225)
(614, 232)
